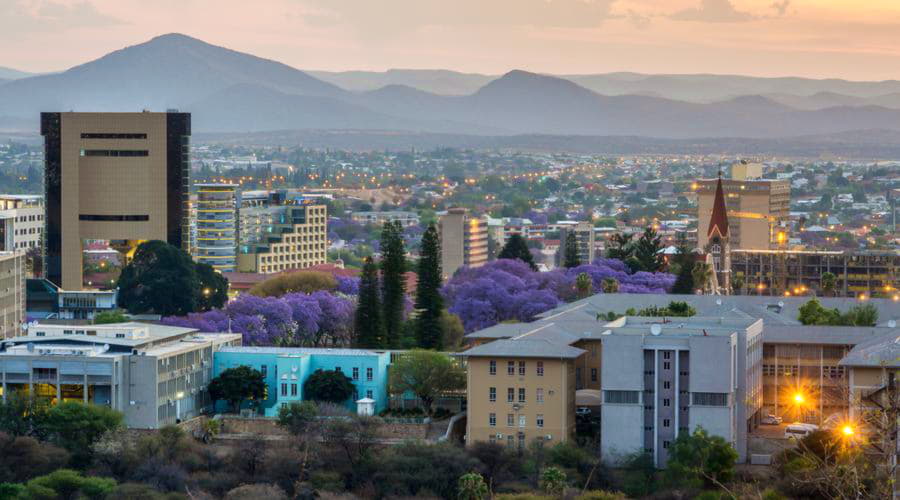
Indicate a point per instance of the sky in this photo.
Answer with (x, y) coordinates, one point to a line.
(850, 39)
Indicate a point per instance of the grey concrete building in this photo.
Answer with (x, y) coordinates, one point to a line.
(155, 375)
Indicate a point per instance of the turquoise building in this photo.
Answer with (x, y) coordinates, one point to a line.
(287, 368)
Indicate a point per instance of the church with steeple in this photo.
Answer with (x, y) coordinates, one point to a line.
(718, 248)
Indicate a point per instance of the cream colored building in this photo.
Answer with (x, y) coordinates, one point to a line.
(12, 293)
(21, 221)
(463, 240)
(744, 171)
(756, 209)
(296, 239)
(120, 177)
(521, 391)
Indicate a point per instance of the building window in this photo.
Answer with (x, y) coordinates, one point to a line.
(492, 367)
(492, 420)
(510, 420)
(540, 368)
(510, 394)
(511, 368)
(539, 420)
(667, 385)
(264, 369)
(593, 374)
(622, 397)
(369, 374)
(521, 440)
(667, 355)
(284, 389)
(666, 401)
(666, 445)
(709, 399)
(337, 369)
(521, 368)
(369, 394)
(666, 422)
(293, 389)
(493, 439)
(509, 441)
(539, 395)
(522, 420)
(355, 373)
(492, 394)
(521, 394)
(667, 365)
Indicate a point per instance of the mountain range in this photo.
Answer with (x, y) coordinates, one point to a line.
(230, 91)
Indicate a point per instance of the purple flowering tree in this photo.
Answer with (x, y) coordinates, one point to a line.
(295, 319)
(508, 290)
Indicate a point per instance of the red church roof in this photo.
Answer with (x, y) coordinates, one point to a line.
(718, 222)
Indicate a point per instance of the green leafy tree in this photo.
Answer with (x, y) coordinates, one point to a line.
(106, 317)
(427, 374)
(236, 385)
(429, 302)
(67, 484)
(298, 417)
(610, 285)
(737, 285)
(24, 415)
(213, 287)
(330, 386)
(160, 279)
(516, 248)
(699, 458)
(453, 329)
(620, 247)
(368, 322)
(639, 473)
(829, 283)
(584, 285)
(553, 481)
(76, 426)
(471, 486)
(298, 281)
(648, 250)
(393, 283)
(572, 258)
(701, 275)
(24, 457)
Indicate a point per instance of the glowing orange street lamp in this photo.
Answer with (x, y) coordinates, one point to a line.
(798, 398)
(848, 430)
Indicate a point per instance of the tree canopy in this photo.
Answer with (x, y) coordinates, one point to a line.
(330, 386)
(369, 324)
(163, 279)
(427, 374)
(813, 313)
(699, 458)
(75, 426)
(393, 282)
(297, 281)
(571, 259)
(516, 248)
(236, 385)
(429, 304)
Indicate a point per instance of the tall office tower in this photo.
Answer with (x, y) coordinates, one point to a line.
(116, 177)
(756, 210)
(279, 232)
(12, 293)
(584, 236)
(463, 240)
(217, 223)
(21, 221)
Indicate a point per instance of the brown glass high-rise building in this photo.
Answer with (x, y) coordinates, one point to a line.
(117, 177)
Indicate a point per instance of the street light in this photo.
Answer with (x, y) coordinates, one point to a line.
(798, 398)
(848, 430)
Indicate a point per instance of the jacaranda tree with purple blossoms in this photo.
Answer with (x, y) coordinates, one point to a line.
(295, 319)
(505, 290)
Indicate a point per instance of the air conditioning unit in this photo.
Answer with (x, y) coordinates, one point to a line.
(499, 436)
(548, 437)
(169, 401)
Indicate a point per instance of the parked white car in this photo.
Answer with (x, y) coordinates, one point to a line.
(799, 431)
(771, 419)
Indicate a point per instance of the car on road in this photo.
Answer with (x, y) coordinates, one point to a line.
(583, 412)
(771, 419)
(799, 431)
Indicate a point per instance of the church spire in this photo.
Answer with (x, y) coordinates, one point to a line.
(718, 222)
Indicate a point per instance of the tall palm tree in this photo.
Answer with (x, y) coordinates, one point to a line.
(584, 285)
(701, 273)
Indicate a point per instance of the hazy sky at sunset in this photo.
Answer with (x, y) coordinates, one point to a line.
(853, 39)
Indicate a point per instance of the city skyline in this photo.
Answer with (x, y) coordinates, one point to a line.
(809, 38)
